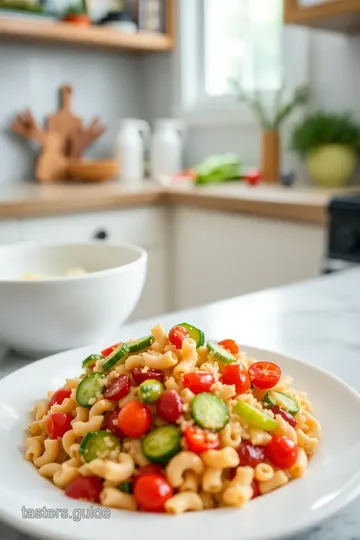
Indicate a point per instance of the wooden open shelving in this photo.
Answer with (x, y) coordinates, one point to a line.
(336, 15)
(92, 36)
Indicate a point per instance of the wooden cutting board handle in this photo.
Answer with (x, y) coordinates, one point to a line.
(65, 97)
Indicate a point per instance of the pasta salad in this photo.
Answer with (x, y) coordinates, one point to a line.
(172, 423)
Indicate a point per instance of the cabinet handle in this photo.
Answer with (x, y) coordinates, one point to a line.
(101, 235)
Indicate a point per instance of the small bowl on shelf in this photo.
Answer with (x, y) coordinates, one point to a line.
(92, 170)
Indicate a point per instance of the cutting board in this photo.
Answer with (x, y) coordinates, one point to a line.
(64, 122)
(64, 138)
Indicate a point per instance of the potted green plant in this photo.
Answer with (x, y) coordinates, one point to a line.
(329, 142)
(77, 14)
(271, 118)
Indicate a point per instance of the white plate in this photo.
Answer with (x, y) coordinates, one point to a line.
(332, 481)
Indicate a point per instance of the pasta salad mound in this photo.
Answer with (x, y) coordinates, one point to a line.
(172, 423)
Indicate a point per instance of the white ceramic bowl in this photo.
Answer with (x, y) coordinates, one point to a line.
(44, 316)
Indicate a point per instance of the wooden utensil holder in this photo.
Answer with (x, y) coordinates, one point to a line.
(270, 161)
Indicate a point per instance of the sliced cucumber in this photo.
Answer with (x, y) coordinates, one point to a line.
(91, 360)
(150, 390)
(89, 388)
(255, 417)
(220, 353)
(209, 411)
(118, 355)
(126, 487)
(284, 401)
(162, 443)
(197, 335)
(140, 344)
(98, 444)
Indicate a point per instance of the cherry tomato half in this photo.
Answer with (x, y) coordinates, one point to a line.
(59, 396)
(169, 406)
(176, 336)
(286, 416)
(230, 345)
(134, 419)
(151, 491)
(282, 452)
(253, 177)
(140, 375)
(118, 388)
(256, 489)
(250, 455)
(57, 424)
(151, 468)
(85, 488)
(199, 440)
(112, 423)
(236, 374)
(198, 381)
(109, 350)
(264, 375)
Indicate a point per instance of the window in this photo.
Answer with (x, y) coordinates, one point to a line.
(242, 40)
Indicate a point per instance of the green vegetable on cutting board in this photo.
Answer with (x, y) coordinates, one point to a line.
(221, 168)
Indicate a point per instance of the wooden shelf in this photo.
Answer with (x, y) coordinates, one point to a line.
(336, 15)
(96, 37)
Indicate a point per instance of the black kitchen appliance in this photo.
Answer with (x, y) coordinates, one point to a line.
(343, 234)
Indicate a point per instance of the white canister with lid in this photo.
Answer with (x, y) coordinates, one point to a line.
(167, 147)
(130, 149)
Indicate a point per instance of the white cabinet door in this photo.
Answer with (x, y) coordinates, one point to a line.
(220, 255)
(155, 297)
(142, 226)
(9, 232)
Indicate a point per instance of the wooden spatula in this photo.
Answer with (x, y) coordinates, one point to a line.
(64, 123)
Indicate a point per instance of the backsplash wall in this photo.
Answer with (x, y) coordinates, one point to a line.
(105, 84)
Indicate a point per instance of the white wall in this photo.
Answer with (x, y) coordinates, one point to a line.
(105, 84)
(335, 71)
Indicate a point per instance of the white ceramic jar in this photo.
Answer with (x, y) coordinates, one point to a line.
(130, 149)
(167, 147)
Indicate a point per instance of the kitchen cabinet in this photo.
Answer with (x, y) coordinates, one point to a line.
(219, 255)
(9, 232)
(336, 15)
(44, 32)
(142, 226)
(196, 255)
(145, 227)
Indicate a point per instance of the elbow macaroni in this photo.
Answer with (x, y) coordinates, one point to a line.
(225, 458)
(184, 461)
(115, 472)
(52, 448)
(184, 502)
(82, 428)
(212, 480)
(189, 357)
(115, 498)
(100, 407)
(299, 468)
(204, 470)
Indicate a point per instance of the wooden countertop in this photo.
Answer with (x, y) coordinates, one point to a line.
(304, 204)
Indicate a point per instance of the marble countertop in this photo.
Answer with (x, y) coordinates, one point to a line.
(317, 321)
